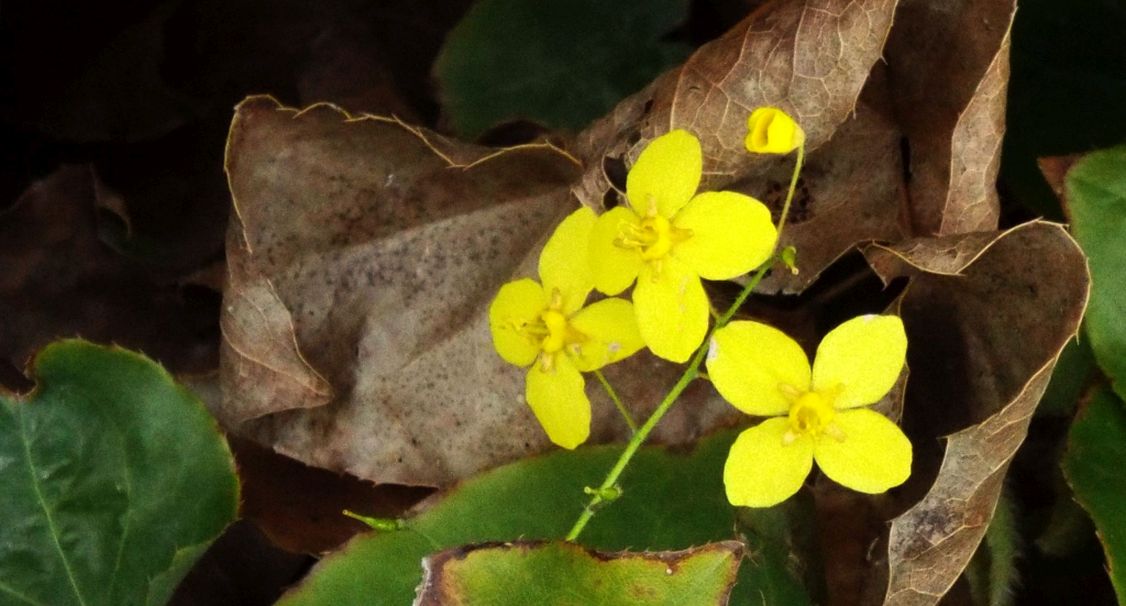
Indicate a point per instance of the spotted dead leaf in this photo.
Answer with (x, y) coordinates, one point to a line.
(362, 257)
(985, 332)
(354, 239)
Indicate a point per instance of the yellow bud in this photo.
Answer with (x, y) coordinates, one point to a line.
(772, 131)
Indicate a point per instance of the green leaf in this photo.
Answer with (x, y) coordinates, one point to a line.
(565, 574)
(1093, 465)
(1096, 201)
(669, 501)
(562, 62)
(1073, 369)
(115, 480)
(1068, 80)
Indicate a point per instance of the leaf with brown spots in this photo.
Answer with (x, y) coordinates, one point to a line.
(986, 327)
(362, 254)
(566, 574)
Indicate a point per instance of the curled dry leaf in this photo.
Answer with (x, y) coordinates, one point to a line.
(913, 152)
(61, 280)
(363, 254)
(810, 58)
(949, 60)
(985, 333)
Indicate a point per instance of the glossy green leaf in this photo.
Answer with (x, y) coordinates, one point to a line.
(115, 481)
(565, 574)
(562, 63)
(1096, 201)
(670, 501)
(1096, 452)
(1068, 80)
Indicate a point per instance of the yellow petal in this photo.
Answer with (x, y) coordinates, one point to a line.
(614, 267)
(559, 401)
(517, 304)
(672, 309)
(870, 455)
(772, 131)
(564, 262)
(666, 174)
(731, 234)
(610, 328)
(860, 360)
(749, 362)
(762, 470)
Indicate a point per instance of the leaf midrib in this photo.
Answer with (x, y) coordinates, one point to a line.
(43, 505)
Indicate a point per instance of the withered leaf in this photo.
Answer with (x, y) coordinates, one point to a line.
(811, 58)
(985, 333)
(61, 280)
(362, 256)
(949, 60)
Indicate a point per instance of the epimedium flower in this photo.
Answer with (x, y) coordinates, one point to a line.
(772, 131)
(668, 237)
(817, 414)
(546, 329)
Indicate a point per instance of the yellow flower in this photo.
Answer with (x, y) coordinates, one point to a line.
(667, 238)
(819, 413)
(547, 329)
(772, 131)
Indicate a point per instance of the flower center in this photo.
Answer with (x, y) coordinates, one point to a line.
(552, 333)
(654, 237)
(556, 324)
(811, 413)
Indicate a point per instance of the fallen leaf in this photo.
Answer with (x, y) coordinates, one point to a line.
(61, 280)
(367, 251)
(564, 573)
(949, 60)
(299, 508)
(810, 58)
(985, 334)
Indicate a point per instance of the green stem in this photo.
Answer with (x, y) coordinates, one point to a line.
(642, 433)
(690, 373)
(617, 401)
(790, 192)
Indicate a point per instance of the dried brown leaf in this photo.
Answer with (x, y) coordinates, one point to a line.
(949, 61)
(61, 280)
(985, 337)
(382, 245)
(810, 58)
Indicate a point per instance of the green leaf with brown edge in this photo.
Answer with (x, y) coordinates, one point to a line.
(1096, 451)
(1095, 190)
(565, 574)
(115, 481)
(561, 63)
(670, 501)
